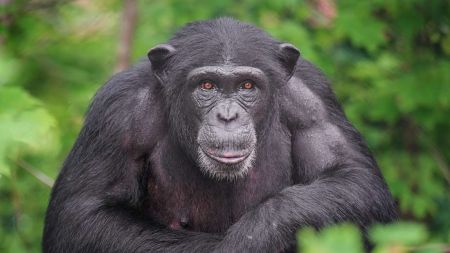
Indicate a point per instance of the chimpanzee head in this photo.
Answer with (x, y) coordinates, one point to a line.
(220, 78)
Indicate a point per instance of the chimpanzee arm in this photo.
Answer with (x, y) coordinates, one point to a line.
(336, 177)
(96, 202)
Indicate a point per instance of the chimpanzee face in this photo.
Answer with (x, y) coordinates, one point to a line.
(227, 99)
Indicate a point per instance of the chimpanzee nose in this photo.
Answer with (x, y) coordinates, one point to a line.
(227, 117)
(227, 112)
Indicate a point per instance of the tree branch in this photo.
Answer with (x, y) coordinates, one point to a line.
(129, 19)
(36, 173)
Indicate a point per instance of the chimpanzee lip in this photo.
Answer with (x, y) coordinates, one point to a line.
(228, 157)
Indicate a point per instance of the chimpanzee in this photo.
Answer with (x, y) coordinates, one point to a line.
(224, 140)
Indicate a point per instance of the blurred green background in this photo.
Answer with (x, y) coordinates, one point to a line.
(389, 62)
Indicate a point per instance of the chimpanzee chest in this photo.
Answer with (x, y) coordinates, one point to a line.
(192, 201)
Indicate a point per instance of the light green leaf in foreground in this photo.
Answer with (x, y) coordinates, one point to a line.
(340, 238)
(400, 233)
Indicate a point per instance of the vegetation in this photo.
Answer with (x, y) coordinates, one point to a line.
(389, 62)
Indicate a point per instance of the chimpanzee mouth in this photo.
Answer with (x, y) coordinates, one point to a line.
(228, 157)
(230, 165)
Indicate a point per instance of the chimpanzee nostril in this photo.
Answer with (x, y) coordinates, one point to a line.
(227, 116)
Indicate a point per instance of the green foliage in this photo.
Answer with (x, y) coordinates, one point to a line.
(26, 126)
(406, 233)
(389, 63)
(393, 238)
(341, 238)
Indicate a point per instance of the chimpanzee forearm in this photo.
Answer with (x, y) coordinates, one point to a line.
(346, 194)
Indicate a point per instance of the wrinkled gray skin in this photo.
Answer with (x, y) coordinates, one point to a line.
(164, 165)
(227, 137)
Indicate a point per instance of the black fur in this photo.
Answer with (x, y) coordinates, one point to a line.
(130, 183)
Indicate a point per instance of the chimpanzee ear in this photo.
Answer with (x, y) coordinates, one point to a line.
(158, 56)
(289, 55)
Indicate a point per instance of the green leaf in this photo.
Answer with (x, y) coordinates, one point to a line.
(399, 233)
(339, 238)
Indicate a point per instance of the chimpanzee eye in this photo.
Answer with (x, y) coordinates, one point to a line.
(247, 85)
(207, 85)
